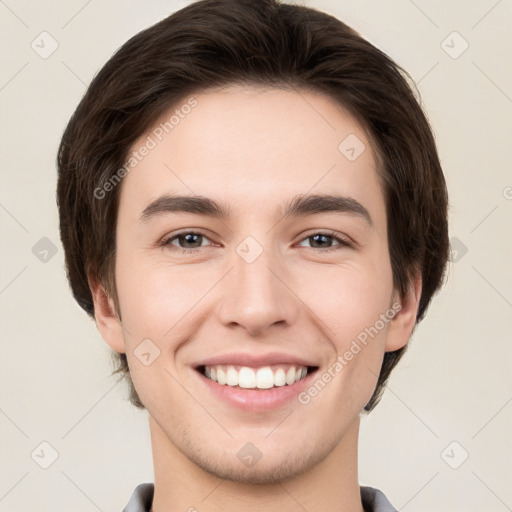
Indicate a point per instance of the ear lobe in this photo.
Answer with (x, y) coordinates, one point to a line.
(400, 328)
(107, 319)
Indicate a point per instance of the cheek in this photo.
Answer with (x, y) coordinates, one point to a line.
(154, 296)
(348, 299)
(352, 308)
(156, 301)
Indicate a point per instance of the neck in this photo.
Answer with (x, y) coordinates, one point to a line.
(329, 486)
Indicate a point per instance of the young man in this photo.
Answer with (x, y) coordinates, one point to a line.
(253, 210)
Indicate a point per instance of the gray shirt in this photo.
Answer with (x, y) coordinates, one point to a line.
(373, 500)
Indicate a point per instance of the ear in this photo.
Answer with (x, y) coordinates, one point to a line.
(400, 328)
(107, 319)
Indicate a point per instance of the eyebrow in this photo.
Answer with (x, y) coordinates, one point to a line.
(298, 206)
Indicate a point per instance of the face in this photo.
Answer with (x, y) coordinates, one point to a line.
(256, 336)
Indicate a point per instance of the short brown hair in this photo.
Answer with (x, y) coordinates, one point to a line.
(222, 42)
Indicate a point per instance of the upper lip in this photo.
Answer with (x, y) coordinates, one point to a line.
(245, 359)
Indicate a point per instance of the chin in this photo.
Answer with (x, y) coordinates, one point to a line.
(273, 467)
(262, 473)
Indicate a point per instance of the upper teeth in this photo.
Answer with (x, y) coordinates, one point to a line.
(262, 378)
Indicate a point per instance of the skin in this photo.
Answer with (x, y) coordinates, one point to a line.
(254, 149)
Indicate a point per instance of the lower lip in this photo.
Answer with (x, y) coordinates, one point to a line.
(256, 399)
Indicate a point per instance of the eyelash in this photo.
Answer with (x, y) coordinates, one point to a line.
(342, 242)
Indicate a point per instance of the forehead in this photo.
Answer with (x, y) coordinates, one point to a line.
(253, 147)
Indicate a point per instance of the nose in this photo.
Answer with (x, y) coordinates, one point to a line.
(258, 295)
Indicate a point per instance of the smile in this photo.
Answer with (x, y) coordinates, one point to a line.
(246, 377)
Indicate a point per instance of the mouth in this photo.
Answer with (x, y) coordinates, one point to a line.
(256, 378)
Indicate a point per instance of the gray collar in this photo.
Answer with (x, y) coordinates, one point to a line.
(373, 500)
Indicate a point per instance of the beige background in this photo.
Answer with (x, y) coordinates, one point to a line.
(454, 384)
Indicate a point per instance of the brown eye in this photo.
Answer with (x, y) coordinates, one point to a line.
(323, 241)
(187, 242)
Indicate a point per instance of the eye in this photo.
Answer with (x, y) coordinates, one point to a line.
(323, 239)
(192, 240)
(188, 242)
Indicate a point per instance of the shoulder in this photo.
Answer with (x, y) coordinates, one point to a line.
(375, 500)
(141, 499)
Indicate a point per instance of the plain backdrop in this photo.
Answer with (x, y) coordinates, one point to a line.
(441, 437)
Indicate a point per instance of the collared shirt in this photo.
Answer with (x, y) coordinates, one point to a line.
(373, 500)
